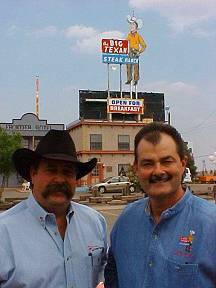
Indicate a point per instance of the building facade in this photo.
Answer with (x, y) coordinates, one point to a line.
(110, 139)
(112, 143)
(32, 129)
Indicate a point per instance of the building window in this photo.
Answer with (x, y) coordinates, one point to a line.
(95, 142)
(95, 171)
(123, 142)
(123, 169)
(26, 143)
(108, 169)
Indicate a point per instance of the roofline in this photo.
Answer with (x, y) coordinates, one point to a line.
(78, 123)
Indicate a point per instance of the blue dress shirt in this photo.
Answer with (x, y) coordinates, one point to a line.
(33, 254)
(179, 251)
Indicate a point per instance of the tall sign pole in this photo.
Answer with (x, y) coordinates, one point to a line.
(125, 51)
(37, 96)
(120, 79)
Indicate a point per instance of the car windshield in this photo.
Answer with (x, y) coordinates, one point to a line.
(107, 179)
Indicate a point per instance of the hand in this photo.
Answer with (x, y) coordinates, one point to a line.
(100, 285)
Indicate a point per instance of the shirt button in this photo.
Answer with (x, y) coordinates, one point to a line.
(150, 264)
(178, 268)
(68, 258)
(155, 236)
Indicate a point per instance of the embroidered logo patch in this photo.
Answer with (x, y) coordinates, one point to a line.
(187, 241)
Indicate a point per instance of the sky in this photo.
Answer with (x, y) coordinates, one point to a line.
(59, 40)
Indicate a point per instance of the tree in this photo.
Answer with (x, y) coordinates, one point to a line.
(133, 178)
(190, 162)
(8, 144)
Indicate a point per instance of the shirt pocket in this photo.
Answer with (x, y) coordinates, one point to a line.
(180, 275)
(94, 265)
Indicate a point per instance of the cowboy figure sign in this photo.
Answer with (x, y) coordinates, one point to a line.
(136, 46)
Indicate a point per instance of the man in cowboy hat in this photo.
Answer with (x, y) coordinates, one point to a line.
(48, 240)
(137, 46)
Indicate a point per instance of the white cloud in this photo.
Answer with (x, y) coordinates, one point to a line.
(181, 14)
(79, 31)
(173, 89)
(84, 39)
(180, 97)
(87, 39)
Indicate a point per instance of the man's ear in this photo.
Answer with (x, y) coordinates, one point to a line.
(184, 162)
(135, 166)
(32, 173)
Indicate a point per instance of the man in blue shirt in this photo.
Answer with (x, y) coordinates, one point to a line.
(47, 240)
(169, 238)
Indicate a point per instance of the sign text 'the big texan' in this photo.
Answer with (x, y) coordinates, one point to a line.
(115, 46)
(116, 51)
(125, 106)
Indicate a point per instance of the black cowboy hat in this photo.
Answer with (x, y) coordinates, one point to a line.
(56, 144)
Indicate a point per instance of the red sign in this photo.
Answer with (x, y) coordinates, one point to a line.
(115, 46)
(125, 106)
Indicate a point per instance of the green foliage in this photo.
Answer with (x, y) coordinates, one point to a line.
(8, 144)
(133, 178)
(191, 163)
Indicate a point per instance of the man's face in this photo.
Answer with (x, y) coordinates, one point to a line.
(54, 183)
(159, 168)
(133, 27)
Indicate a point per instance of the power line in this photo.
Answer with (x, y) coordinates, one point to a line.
(201, 123)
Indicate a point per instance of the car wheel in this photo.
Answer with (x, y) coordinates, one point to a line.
(132, 189)
(102, 189)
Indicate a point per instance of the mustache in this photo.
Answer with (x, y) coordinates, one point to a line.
(158, 178)
(64, 188)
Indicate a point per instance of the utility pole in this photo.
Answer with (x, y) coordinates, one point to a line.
(204, 167)
(37, 96)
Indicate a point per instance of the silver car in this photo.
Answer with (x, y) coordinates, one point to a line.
(113, 184)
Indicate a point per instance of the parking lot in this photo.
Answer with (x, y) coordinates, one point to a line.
(109, 211)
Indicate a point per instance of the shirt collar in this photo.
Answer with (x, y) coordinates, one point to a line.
(41, 214)
(172, 210)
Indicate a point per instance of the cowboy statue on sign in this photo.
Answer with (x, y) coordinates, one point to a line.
(137, 46)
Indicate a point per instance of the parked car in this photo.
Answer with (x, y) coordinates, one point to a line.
(82, 189)
(114, 184)
(26, 186)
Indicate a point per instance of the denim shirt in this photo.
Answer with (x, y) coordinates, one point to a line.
(33, 254)
(179, 251)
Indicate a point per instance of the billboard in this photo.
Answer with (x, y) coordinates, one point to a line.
(118, 59)
(93, 105)
(115, 46)
(125, 106)
(116, 51)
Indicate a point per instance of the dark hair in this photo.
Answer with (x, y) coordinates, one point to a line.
(152, 133)
(35, 166)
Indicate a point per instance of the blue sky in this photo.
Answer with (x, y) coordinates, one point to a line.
(60, 42)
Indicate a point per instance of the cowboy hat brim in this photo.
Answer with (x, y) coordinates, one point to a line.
(24, 159)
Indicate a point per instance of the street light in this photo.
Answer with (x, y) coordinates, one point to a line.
(212, 158)
(168, 118)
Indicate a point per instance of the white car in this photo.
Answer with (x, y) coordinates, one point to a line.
(187, 176)
(26, 186)
(114, 184)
